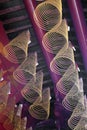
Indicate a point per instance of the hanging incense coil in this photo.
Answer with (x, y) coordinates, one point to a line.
(27, 70)
(82, 124)
(9, 113)
(79, 109)
(62, 61)
(71, 100)
(56, 38)
(68, 80)
(48, 14)
(10, 108)
(79, 117)
(40, 108)
(76, 115)
(4, 90)
(23, 123)
(17, 118)
(16, 50)
(33, 89)
(6, 117)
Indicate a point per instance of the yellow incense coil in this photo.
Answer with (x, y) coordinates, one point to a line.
(68, 80)
(27, 70)
(16, 50)
(48, 14)
(79, 116)
(10, 108)
(82, 124)
(33, 89)
(17, 121)
(40, 108)
(62, 61)
(76, 115)
(9, 113)
(79, 109)
(56, 38)
(71, 100)
(4, 96)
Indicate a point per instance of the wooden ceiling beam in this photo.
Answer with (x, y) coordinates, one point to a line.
(11, 9)
(18, 29)
(16, 19)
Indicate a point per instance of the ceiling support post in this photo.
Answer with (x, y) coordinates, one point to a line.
(80, 27)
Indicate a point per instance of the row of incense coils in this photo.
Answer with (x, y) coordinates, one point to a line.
(25, 74)
(48, 17)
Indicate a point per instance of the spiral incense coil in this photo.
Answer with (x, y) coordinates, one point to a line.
(27, 70)
(72, 98)
(48, 14)
(16, 50)
(10, 108)
(17, 118)
(4, 96)
(40, 108)
(33, 89)
(79, 109)
(23, 123)
(76, 115)
(6, 117)
(62, 61)
(68, 80)
(9, 113)
(81, 124)
(56, 38)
